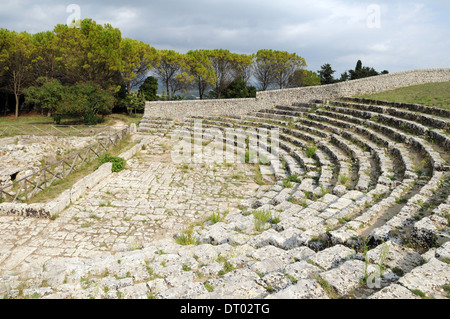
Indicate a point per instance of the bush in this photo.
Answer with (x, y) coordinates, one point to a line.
(46, 95)
(261, 218)
(118, 163)
(239, 89)
(87, 100)
(311, 151)
(92, 119)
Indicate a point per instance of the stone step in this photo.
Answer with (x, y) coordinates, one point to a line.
(399, 126)
(411, 107)
(425, 120)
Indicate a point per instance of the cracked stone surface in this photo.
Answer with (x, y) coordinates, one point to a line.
(153, 199)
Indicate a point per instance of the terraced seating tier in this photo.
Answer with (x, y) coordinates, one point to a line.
(354, 203)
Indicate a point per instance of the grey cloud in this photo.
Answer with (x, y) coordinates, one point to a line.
(327, 31)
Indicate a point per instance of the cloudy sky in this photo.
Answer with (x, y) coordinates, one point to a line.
(391, 35)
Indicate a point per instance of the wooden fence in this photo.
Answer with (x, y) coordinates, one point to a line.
(23, 189)
(53, 130)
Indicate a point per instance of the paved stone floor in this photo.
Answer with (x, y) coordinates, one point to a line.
(153, 199)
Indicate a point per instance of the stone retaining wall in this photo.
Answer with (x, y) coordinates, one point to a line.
(268, 99)
(184, 109)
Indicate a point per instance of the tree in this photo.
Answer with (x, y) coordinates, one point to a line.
(90, 53)
(243, 66)
(285, 65)
(222, 62)
(6, 40)
(326, 74)
(169, 68)
(46, 53)
(17, 60)
(344, 76)
(361, 72)
(120, 96)
(149, 89)
(137, 58)
(46, 95)
(86, 99)
(264, 68)
(135, 102)
(302, 78)
(82, 99)
(239, 89)
(199, 71)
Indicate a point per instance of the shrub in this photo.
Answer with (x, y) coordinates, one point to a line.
(118, 163)
(287, 183)
(294, 178)
(311, 151)
(217, 218)
(261, 217)
(186, 239)
(344, 179)
(209, 287)
(87, 100)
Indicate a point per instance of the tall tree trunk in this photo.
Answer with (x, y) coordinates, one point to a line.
(16, 80)
(200, 91)
(17, 104)
(168, 92)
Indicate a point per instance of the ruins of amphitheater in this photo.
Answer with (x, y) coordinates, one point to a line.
(347, 198)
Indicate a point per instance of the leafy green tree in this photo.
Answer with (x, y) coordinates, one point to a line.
(358, 66)
(120, 105)
(46, 53)
(90, 53)
(137, 58)
(239, 89)
(361, 71)
(199, 71)
(46, 95)
(17, 59)
(326, 74)
(264, 71)
(149, 89)
(86, 99)
(285, 65)
(344, 76)
(302, 78)
(169, 68)
(223, 64)
(243, 66)
(5, 45)
(135, 102)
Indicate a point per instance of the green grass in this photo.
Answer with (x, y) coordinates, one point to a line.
(311, 151)
(262, 218)
(430, 94)
(128, 119)
(419, 293)
(42, 125)
(217, 218)
(26, 119)
(34, 124)
(34, 118)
